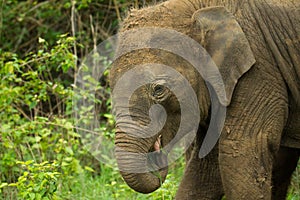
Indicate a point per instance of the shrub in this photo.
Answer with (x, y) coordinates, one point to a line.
(39, 145)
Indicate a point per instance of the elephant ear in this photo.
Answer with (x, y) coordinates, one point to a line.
(226, 43)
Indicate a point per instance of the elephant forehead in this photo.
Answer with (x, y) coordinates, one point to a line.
(151, 38)
(147, 56)
(143, 65)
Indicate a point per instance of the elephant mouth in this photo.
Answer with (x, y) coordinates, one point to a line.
(157, 159)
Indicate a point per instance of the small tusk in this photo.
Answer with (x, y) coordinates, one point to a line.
(157, 144)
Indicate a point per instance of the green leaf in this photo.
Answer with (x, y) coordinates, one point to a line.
(69, 150)
(3, 185)
(13, 184)
(41, 40)
(32, 196)
(89, 169)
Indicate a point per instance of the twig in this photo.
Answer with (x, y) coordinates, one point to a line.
(20, 39)
(72, 127)
(1, 18)
(36, 6)
(104, 33)
(31, 152)
(136, 4)
(117, 10)
(73, 9)
(94, 34)
(23, 113)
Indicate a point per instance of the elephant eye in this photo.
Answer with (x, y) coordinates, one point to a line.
(158, 90)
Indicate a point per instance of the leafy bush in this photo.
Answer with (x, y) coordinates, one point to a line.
(39, 181)
(37, 120)
(90, 21)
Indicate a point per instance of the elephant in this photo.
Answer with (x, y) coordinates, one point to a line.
(255, 45)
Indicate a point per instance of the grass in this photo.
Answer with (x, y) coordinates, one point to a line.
(109, 185)
(294, 193)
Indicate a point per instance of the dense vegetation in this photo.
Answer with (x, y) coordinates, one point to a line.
(42, 155)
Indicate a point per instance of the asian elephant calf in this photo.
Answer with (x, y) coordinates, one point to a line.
(255, 45)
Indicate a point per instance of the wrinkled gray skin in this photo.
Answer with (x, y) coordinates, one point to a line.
(256, 153)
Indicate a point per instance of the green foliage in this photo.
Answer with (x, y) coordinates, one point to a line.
(39, 180)
(23, 22)
(39, 145)
(294, 192)
(109, 185)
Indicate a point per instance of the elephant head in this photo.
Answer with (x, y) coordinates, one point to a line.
(145, 79)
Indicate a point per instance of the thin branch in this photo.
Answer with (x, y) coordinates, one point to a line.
(36, 6)
(104, 33)
(136, 4)
(31, 152)
(94, 34)
(73, 127)
(22, 112)
(117, 10)
(73, 9)
(20, 38)
(1, 18)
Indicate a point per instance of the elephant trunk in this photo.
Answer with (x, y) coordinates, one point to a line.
(142, 166)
